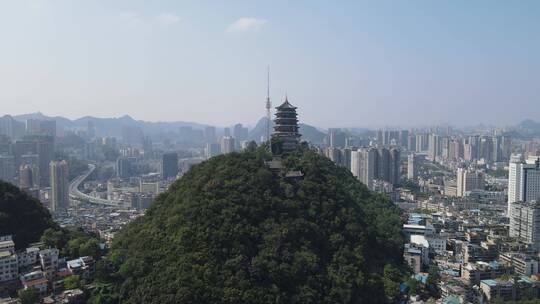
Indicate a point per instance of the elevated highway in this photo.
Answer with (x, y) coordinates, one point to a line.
(76, 194)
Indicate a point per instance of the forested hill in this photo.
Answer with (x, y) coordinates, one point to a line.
(22, 216)
(232, 231)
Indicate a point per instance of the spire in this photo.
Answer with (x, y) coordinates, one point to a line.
(268, 104)
(268, 83)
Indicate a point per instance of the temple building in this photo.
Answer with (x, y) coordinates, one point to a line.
(286, 136)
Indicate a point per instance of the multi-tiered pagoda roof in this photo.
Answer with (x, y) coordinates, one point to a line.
(286, 127)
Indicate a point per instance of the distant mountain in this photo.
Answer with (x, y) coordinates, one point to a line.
(308, 132)
(61, 122)
(530, 125)
(112, 126)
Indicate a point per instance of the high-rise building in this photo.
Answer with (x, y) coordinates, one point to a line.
(395, 166)
(132, 135)
(125, 166)
(434, 147)
(40, 145)
(525, 222)
(227, 144)
(90, 129)
(422, 144)
(404, 138)
(7, 168)
(486, 148)
(29, 177)
(58, 171)
(47, 128)
(346, 158)
(523, 180)
(411, 143)
(455, 147)
(227, 132)
(506, 148)
(240, 133)
(109, 142)
(210, 134)
(364, 165)
(474, 144)
(383, 164)
(169, 165)
(7, 126)
(468, 180)
(336, 138)
(212, 149)
(334, 154)
(45, 150)
(32, 127)
(412, 166)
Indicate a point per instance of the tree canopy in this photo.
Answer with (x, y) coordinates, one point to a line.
(233, 231)
(22, 216)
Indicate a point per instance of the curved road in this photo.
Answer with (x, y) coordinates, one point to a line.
(75, 193)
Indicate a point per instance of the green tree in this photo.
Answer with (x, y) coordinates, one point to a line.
(56, 238)
(414, 286)
(432, 283)
(233, 231)
(22, 216)
(90, 248)
(72, 282)
(84, 245)
(391, 278)
(29, 296)
(103, 294)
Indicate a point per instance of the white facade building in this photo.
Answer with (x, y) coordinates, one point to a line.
(525, 222)
(468, 180)
(523, 180)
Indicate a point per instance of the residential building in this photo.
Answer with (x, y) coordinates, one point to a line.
(468, 180)
(524, 264)
(227, 144)
(169, 165)
(525, 222)
(523, 180)
(58, 171)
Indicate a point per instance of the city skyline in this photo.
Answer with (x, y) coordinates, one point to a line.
(353, 65)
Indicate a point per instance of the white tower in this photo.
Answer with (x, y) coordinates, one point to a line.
(268, 104)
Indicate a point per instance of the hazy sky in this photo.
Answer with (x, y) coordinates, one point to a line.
(344, 63)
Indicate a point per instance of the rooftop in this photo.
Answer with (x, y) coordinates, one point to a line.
(286, 105)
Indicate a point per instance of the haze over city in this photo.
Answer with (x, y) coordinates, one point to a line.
(356, 64)
(269, 152)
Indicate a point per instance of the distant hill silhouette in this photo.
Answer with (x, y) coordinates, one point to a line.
(112, 126)
(530, 124)
(309, 133)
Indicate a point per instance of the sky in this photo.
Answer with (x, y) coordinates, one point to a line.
(343, 63)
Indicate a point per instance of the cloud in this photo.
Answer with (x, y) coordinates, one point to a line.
(167, 19)
(246, 24)
(131, 18)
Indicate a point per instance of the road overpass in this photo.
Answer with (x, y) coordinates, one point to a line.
(76, 194)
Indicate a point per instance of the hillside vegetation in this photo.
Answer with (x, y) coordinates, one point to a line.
(232, 231)
(22, 216)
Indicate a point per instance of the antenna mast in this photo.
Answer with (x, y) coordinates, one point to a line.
(268, 104)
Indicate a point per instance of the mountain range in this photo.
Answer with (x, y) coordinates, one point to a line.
(113, 126)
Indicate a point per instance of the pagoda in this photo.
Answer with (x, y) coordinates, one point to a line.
(286, 136)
